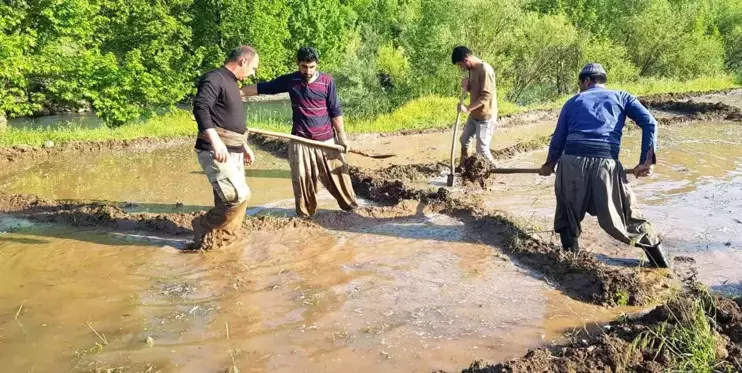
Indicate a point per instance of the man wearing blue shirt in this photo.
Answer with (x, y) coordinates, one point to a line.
(590, 178)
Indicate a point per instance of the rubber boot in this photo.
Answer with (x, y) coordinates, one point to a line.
(234, 218)
(569, 242)
(198, 230)
(656, 256)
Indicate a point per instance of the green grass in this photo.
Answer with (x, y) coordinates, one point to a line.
(429, 112)
(177, 124)
(688, 340)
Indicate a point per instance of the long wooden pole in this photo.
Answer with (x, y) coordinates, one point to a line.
(318, 143)
(452, 173)
(297, 138)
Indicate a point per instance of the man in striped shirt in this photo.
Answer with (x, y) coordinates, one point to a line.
(317, 115)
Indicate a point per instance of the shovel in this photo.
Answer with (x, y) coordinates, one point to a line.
(319, 144)
(452, 174)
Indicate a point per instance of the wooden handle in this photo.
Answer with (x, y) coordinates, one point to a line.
(455, 129)
(299, 139)
(530, 170)
(515, 170)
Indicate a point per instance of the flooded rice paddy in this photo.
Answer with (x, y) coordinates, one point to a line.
(414, 292)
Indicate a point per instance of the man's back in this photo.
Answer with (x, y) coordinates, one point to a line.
(591, 124)
(482, 82)
(597, 114)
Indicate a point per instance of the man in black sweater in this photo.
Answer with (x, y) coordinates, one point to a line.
(222, 148)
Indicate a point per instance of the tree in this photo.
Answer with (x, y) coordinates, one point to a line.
(322, 24)
(544, 50)
(15, 63)
(672, 41)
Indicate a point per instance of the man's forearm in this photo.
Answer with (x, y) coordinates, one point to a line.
(475, 105)
(249, 90)
(339, 126)
(480, 102)
(338, 123)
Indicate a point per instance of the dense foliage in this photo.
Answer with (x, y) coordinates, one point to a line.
(127, 58)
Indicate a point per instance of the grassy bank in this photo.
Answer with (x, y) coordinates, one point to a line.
(424, 113)
(437, 112)
(176, 124)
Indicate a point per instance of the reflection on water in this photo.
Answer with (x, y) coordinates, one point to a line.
(153, 181)
(257, 111)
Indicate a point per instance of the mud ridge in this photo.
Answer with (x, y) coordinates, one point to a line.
(25, 152)
(521, 147)
(94, 214)
(663, 339)
(687, 95)
(277, 147)
(693, 110)
(111, 216)
(581, 276)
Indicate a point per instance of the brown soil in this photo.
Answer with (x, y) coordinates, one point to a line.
(476, 171)
(25, 152)
(522, 147)
(629, 345)
(111, 216)
(275, 146)
(415, 172)
(693, 110)
(95, 214)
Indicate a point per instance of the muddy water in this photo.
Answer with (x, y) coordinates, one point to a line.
(403, 296)
(435, 147)
(257, 111)
(694, 199)
(161, 180)
(153, 181)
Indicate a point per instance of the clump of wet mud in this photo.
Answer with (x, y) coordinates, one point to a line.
(477, 171)
(415, 172)
(692, 331)
(381, 186)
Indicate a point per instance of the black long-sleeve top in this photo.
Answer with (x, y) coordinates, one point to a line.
(219, 104)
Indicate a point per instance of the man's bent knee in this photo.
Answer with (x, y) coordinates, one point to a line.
(243, 194)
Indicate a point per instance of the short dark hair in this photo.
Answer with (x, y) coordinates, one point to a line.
(243, 51)
(307, 54)
(459, 54)
(594, 78)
